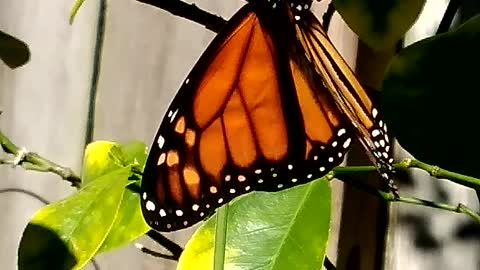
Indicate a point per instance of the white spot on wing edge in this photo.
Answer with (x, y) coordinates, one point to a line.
(179, 213)
(150, 206)
(375, 132)
(172, 117)
(161, 141)
(144, 195)
(162, 213)
(347, 142)
(341, 132)
(374, 113)
(382, 143)
(195, 207)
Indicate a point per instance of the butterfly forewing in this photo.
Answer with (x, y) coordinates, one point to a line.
(349, 95)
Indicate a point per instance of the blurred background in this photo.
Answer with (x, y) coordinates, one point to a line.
(127, 60)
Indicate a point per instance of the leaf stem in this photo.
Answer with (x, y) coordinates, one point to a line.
(438, 172)
(408, 163)
(220, 238)
(390, 197)
(34, 162)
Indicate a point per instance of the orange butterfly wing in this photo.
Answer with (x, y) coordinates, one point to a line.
(246, 118)
(349, 95)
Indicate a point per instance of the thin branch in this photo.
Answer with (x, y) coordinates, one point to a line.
(390, 197)
(26, 192)
(438, 172)
(190, 12)
(35, 162)
(171, 246)
(408, 163)
(154, 253)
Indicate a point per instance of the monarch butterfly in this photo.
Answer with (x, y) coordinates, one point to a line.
(269, 105)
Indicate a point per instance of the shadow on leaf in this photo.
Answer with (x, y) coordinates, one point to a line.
(42, 248)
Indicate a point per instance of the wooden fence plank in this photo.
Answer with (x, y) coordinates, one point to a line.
(44, 104)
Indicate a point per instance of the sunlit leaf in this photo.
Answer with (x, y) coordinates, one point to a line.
(100, 158)
(282, 230)
(129, 224)
(77, 225)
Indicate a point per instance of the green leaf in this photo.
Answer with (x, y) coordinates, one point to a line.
(13, 51)
(76, 226)
(101, 157)
(129, 224)
(379, 23)
(282, 230)
(431, 98)
(135, 153)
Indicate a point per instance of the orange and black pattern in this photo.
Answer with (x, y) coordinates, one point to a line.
(269, 105)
